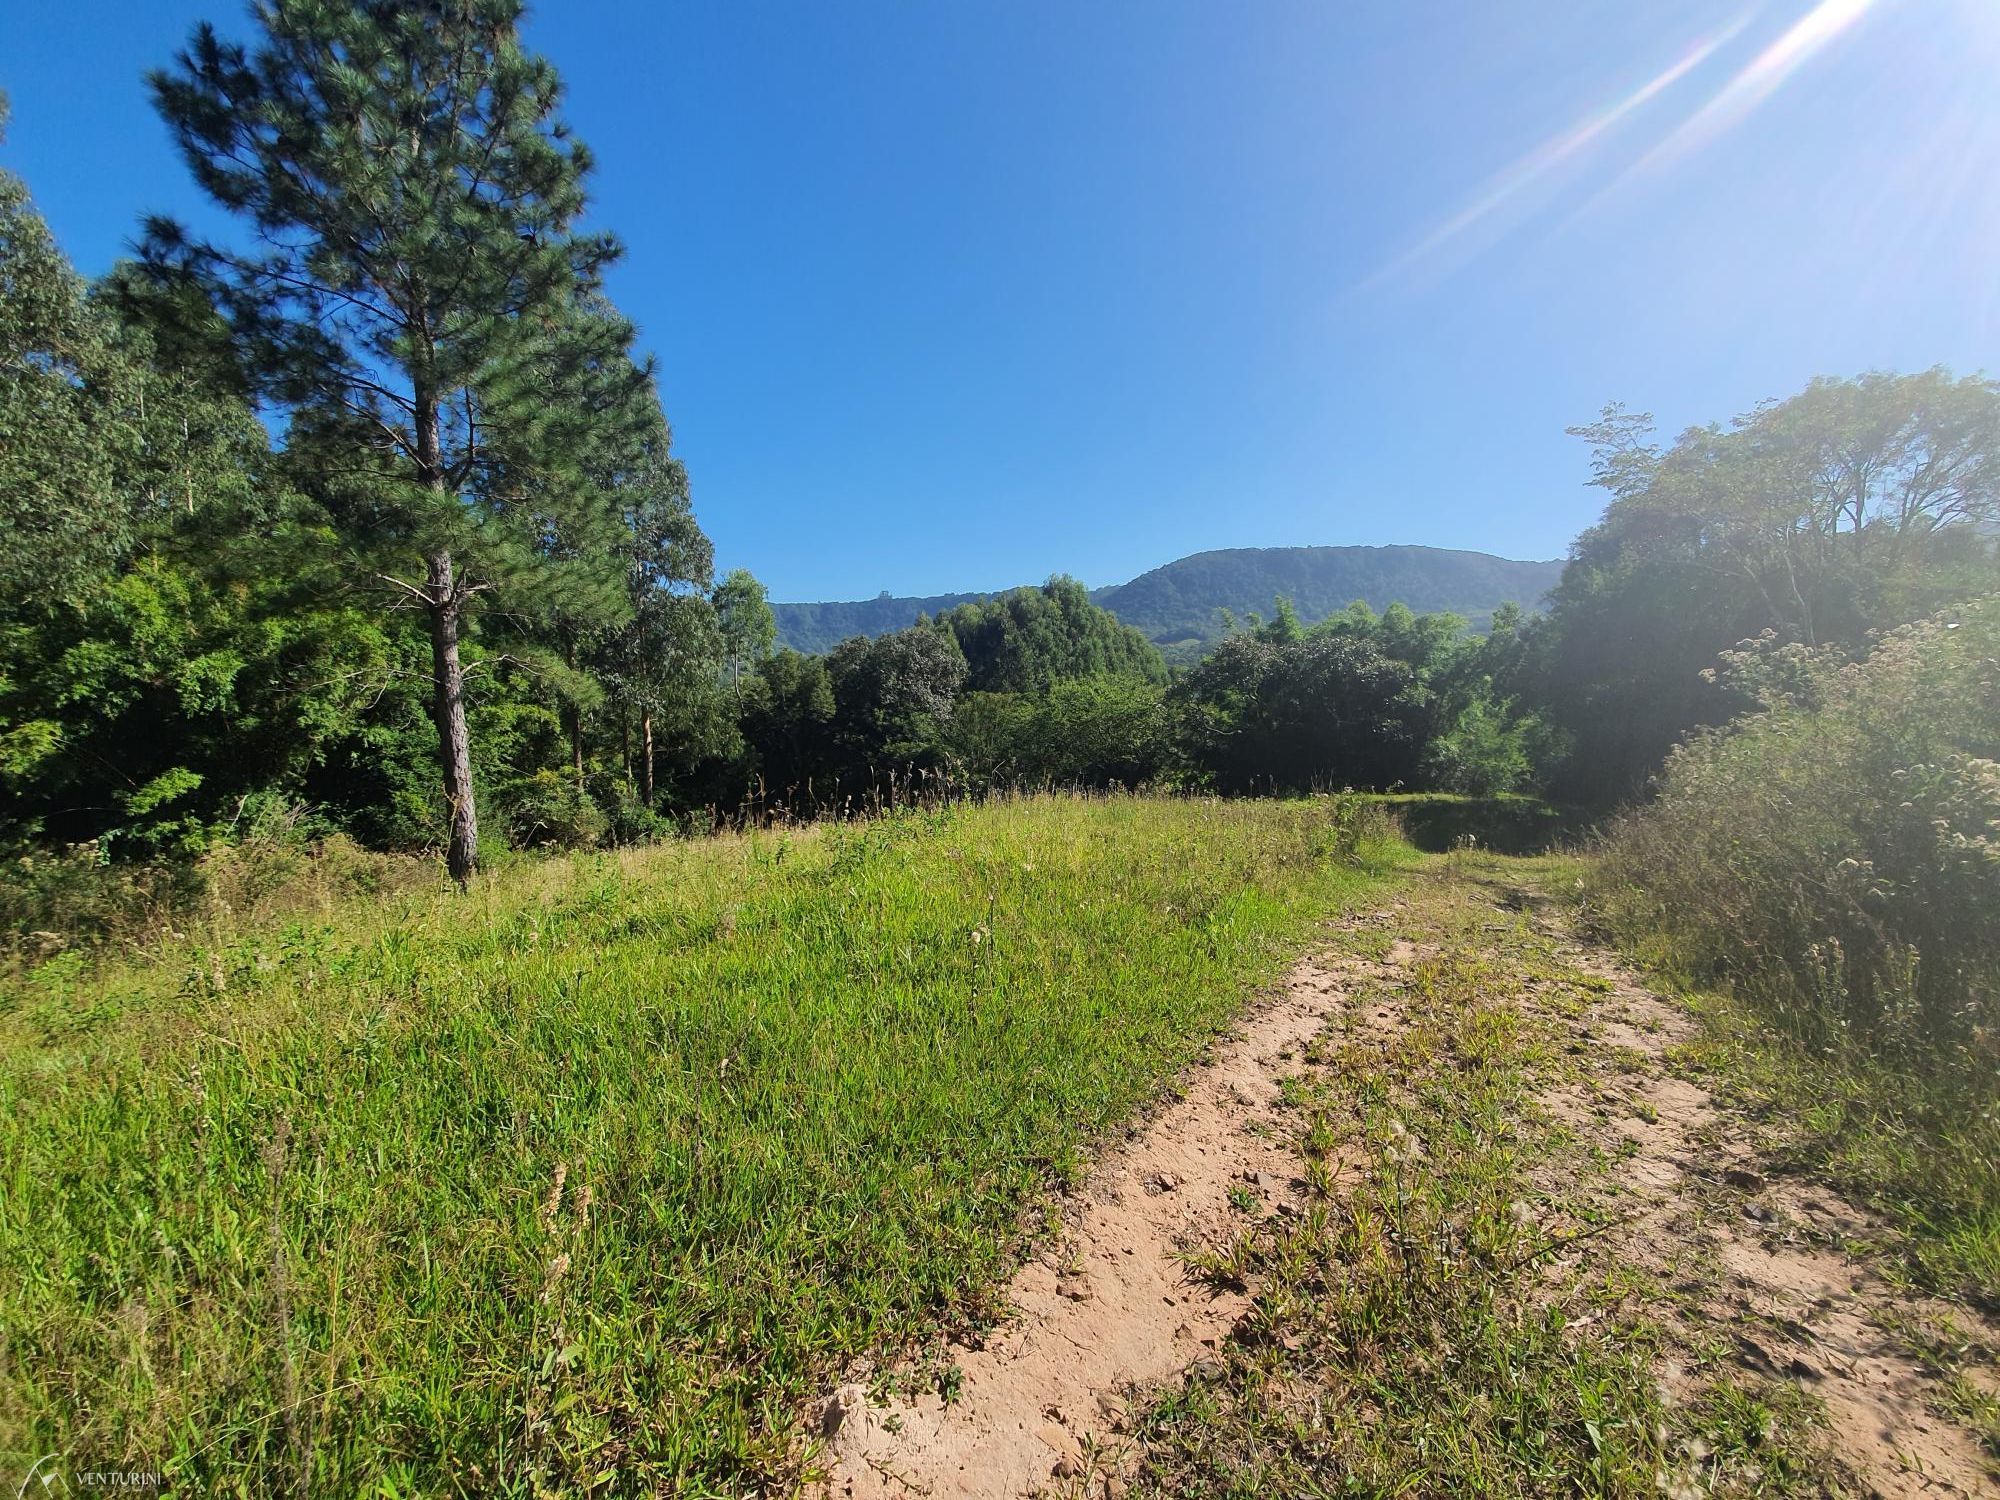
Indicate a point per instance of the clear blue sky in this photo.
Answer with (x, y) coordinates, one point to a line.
(954, 296)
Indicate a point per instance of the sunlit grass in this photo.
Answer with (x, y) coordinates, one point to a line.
(596, 1174)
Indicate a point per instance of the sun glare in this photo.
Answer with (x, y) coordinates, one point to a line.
(1526, 171)
(1762, 78)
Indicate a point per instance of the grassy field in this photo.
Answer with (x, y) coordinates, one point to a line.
(587, 1180)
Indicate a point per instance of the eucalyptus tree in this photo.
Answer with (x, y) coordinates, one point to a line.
(664, 663)
(749, 628)
(414, 281)
(70, 394)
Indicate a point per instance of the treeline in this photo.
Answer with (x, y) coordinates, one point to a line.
(367, 521)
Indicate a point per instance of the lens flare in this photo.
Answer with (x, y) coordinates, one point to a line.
(1552, 153)
(1765, 75)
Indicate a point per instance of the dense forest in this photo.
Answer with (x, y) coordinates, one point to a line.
(366, 523)
(1187, 606)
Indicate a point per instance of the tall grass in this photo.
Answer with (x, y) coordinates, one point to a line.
(1833, 862)
(585, 1181)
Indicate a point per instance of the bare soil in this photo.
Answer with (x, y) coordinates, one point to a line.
(1770, 1273)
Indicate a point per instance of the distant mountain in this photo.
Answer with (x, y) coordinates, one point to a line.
(821, 627)
(1180, 605)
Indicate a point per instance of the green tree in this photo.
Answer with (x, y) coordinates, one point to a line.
(662, 666)
(787, 719)
(416, 282)
(171, 654)
(1028, 639)
(749, 629)
(893, 698)
(1326, 710)
(1854, 506)
(70, 431)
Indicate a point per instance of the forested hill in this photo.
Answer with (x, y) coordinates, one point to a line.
(1180, 604)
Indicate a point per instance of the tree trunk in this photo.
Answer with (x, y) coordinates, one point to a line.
(646, 758)
(448, 707)
(573, 716)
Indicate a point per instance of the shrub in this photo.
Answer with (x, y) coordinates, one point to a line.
(1835, 856)
(547, 810)
(627, 819)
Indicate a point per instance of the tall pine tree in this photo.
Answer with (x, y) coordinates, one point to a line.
(416, 283)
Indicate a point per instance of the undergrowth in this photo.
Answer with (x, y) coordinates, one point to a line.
(1824, 876)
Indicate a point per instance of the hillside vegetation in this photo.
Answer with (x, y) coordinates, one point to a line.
(1833, 861)
(1182, 606)
(602, 1168)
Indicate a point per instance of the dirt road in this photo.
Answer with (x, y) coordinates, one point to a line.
(1214, 1317)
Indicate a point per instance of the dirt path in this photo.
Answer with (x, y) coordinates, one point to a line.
(1763, 1282)
(1110, 1309)
(1763, 1260)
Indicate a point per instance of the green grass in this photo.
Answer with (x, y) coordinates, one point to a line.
(588, 1180)
(1421, 1327)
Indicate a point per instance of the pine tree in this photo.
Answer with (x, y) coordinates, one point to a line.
(416, 295)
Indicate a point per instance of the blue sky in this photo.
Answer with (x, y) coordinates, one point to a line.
(954, 296)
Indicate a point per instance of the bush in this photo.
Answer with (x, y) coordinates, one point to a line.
(627, 819)
(548, 810)
(1095, 732)
(1835, 856)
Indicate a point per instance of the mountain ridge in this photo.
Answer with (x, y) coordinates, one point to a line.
(1179, 604)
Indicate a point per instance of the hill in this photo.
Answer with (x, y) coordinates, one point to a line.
(1179, 606)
